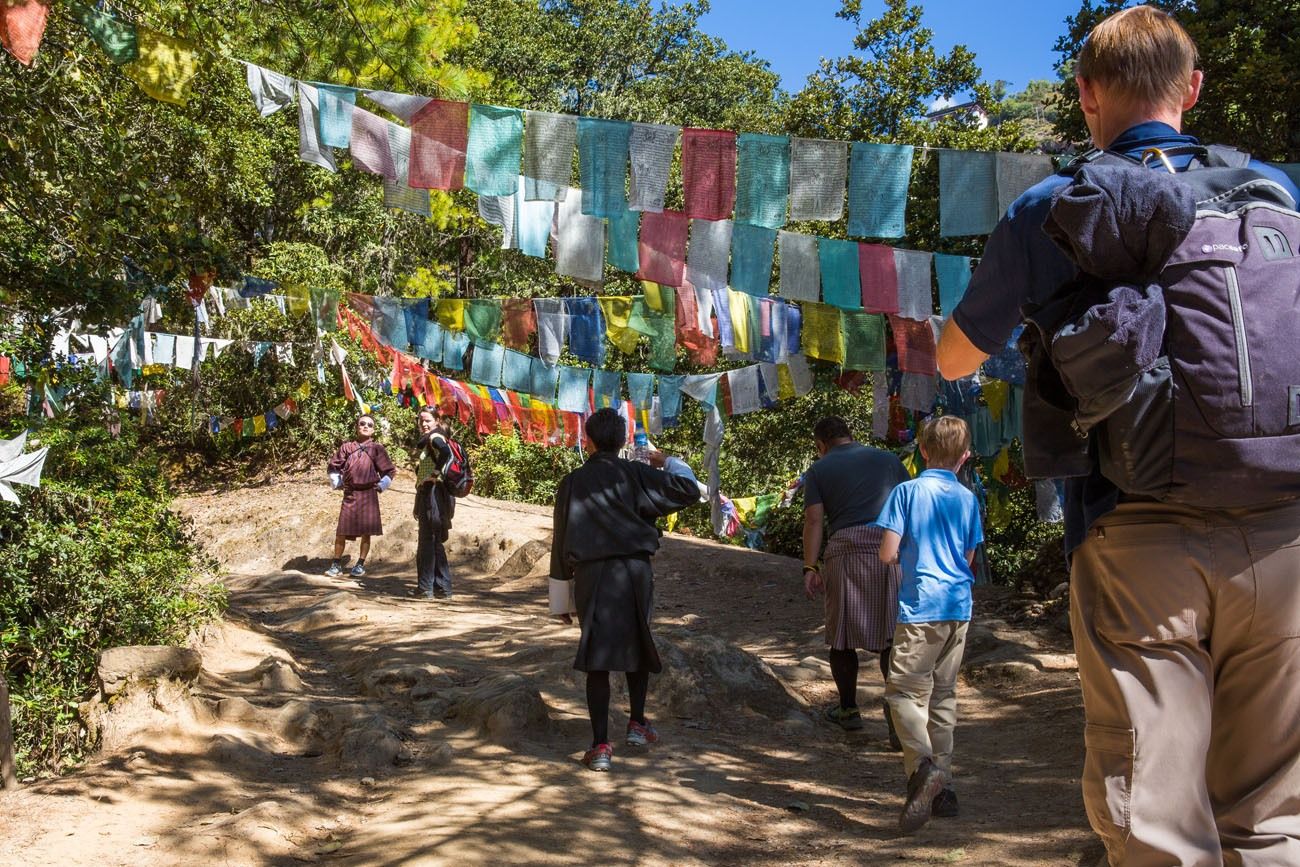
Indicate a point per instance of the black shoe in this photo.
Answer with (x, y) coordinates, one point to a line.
(944, 805)
(894, 743)
(441, 594)
(417, 593)
(923, 787)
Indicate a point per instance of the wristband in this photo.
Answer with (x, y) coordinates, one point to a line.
(813, 568)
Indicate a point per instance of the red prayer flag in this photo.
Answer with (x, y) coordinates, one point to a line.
(518, 323)
(879, 278)
(662, 247)
(709, 173)
(572, 429)
(22, 24)
(439, 139)
(915, 342)
(702, 349)
(199, 283)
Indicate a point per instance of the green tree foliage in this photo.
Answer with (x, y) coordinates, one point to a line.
(1036, 108)
(97, 171)
(883, 90)
(1250, 53)
(623, 59)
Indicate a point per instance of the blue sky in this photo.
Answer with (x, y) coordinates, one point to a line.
(1012, 39)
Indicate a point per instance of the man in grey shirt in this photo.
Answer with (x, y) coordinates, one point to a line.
(844, 491)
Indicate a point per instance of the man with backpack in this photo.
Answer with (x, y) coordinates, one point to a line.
(442, 474)
(1172, 364)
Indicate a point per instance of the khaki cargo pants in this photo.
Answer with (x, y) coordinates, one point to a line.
(1187, 629)
(921, 689)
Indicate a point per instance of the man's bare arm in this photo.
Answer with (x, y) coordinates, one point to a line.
(957, 356)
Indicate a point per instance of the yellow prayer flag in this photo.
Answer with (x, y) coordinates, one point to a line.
(451, 313)
(165, 66)
(996, 393)
(259, 425)
(822, 337)
(618, 317)
(739, 303)
(654, 295)
(785, 389)
(1002, 463)
(670, 523)
(912, 463)
(745, 507)
(298, 298)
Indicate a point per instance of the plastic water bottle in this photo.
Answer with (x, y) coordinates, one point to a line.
(640, 446)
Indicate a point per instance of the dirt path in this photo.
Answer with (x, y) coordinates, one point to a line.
(342, 723)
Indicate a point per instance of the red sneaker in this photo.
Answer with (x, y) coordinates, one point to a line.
(599, 757)
(639, 735)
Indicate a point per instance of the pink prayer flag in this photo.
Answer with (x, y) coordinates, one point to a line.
(879, 278)
(22, 24)
(370, 144)
(915, 343)
(439, 138)
(662, 247)
(709, 173)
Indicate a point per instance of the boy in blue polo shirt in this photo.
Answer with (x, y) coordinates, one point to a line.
(932, 526)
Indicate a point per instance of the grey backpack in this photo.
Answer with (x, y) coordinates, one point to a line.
(1174, 353)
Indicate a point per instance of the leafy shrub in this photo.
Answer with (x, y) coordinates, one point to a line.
(93, 559)
(507, 468)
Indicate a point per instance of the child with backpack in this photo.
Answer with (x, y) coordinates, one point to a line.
(932, 526)
(442, 474)
(362, 468)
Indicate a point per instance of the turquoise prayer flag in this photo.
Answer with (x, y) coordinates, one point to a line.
(623, 251)
(336, 104)
(953, 274)
(878, 181)
(492, 157)
(752, 251)
(602, 165)
(838, 261)
(762, 179)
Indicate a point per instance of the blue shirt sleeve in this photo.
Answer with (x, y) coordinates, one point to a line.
(975, 531)
(894, 515)
(1020, 264)
(1273, 173)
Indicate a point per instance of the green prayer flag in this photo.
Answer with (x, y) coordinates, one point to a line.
(325, 308)
(483, 319)
(864, 340)
(115, 38)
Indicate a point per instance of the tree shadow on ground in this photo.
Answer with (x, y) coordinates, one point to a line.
(750, 778)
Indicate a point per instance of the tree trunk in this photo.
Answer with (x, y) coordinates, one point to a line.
(8, 778)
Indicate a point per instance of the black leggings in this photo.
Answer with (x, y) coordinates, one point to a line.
(844, 668)
(638, 682)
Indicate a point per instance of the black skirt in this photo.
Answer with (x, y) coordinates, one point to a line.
(615, 598)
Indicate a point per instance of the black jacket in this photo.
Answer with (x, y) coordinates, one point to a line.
(607, 508)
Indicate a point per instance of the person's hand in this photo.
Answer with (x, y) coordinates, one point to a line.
(656, 459)
(812, 583)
